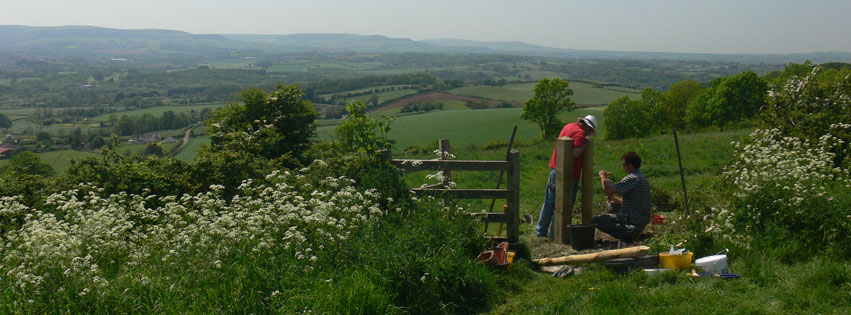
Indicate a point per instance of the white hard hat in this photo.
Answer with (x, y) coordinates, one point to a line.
(591, 121)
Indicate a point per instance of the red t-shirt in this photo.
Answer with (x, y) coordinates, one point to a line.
(576, 133)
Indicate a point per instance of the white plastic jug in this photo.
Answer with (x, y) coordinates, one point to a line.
(714, 264)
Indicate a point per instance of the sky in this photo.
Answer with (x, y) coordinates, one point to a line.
(705, 26)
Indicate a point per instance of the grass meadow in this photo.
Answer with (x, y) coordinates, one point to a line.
(464, 127)
(767, 284)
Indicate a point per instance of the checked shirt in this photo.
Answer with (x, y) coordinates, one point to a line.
(635, 191)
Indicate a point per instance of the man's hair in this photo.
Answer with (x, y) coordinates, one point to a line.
(632, 158)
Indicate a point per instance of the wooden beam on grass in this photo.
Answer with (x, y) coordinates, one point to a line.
(635, 251)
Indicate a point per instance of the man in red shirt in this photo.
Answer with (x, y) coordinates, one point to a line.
(578, 131)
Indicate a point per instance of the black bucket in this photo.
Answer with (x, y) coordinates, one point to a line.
(581, 236)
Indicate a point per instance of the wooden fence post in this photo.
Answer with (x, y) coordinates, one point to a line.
(447, 174)
(564, 189)
(587, 183)
(513, 186)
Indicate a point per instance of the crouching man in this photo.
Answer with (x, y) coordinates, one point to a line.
(629, 213)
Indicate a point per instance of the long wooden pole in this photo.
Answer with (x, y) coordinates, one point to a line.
(598, 256)
(499, 181)
(507, 155)
(682, 175)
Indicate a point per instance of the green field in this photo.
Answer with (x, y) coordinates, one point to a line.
(464, 127)
(23, 126)
(61, 160)
(18, 112)
(158, 111)
(583, 92)
(369, 89)
(537, 74)
(189, 152)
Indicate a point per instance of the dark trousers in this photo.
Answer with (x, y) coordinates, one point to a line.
(617, 224)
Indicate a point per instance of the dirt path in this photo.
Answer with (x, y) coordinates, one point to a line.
(185, 140)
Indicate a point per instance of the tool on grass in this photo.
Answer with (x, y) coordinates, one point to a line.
(499, 181)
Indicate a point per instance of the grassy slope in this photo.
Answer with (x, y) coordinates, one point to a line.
(464, 127)
(766, 286)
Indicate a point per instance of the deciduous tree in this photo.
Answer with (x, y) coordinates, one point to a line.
(266, 124)
(552, 96)
(626, 118)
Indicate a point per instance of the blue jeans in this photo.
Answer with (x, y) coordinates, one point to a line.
(545, 220)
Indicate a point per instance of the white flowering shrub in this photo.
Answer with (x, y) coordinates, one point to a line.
(88, 247)
(810, 106)
(301, 241)
(787, 194)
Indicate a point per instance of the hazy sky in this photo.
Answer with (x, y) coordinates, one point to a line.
(709, 26)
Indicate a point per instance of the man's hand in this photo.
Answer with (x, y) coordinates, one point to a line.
(603, 174)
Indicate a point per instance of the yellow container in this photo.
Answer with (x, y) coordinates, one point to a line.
(676, 262)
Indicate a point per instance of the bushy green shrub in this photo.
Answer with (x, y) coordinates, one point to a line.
(787, 197)
(626, 118)
(363, 134)
(810, 106)
(265, 124)
(26, 176)
(134, 174)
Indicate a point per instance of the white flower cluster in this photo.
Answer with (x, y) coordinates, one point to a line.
(83, 232)
(443, 154)
(773, 159)
(773, 176)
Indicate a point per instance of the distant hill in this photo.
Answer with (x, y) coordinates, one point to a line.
(84, 40)
(89, 39)
(521, 48)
